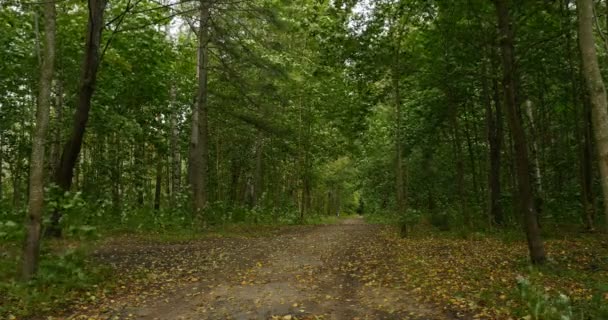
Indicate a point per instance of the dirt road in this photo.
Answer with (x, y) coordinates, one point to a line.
(341, 271)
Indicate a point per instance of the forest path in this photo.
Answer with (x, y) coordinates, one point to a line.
(340, 271)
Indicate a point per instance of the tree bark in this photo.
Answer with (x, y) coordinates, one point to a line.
(524, 185)
(71, 150)
(199, 143)
(31, 251)
(538, 178)
(596, 89)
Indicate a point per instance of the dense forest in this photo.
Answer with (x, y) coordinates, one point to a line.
(483, 121)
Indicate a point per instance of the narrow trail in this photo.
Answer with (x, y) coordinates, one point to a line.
(320, 272)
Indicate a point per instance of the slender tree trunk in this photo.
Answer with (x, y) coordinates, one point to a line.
(199, 143)
(525, 193)
(115, 173)
(538, 178)
(157, 188)
(258, 179)
(176, 162)
(31, 251)
(235, 176)
(596, 89)
(399, 183)
(586, 151)
(71, 150)
(218, 171)
(139, 165)
(56, 145)
(494, 133)
(16, 173)
(472, 159)
(459, 163)
(580, 101)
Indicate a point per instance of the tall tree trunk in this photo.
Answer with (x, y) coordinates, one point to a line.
(199, 142)
(71, 150)
(399, 183)
(31, 251)
(524, 185)
(580, 101)
(176, 162)
(538, 178)
(494, 133)
(596, 89)
(586, 151)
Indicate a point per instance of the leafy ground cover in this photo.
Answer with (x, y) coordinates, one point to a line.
(352, 269)
(487, 277)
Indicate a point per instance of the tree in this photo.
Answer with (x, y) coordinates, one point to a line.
(596, 89)
(36, 184)
(65, 171)
(199, 142)
(510, 86)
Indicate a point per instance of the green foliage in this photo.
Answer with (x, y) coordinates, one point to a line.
(10, 231)
(63, 277)
(541, 306)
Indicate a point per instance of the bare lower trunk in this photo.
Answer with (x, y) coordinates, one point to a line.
(71, 150)
(36, 189)
(525, 194)
(596, 89)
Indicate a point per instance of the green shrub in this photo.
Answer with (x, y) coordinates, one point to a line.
(541, 306)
